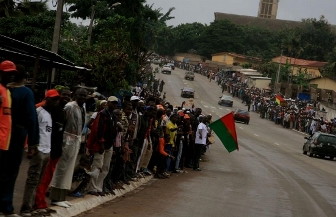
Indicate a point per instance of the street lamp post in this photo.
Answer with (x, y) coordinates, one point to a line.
(92, 19)
(278, 73)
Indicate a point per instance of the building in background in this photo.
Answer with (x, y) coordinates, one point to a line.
(268, 9)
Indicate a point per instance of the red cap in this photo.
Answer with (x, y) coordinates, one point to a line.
(8, 66)
(52, 93)
(186, 116)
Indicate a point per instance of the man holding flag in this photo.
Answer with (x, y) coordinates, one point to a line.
(200, 141)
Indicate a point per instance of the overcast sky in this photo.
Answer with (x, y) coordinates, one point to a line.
(189, 11)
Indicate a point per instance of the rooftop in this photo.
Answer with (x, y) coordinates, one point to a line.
(260, 78)
(240, 56)
(298, 62)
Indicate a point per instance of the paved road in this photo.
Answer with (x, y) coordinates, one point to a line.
(269, 176)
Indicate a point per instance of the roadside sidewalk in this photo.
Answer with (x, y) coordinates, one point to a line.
(79, 204)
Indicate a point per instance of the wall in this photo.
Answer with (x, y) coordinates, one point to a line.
(313, 71)
(217, 58)
(330, 109)
(262, 83)
(324, 83)
(223, 58)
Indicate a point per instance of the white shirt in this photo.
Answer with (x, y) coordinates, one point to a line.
(94, 115)
(204, 129)
(45, 128)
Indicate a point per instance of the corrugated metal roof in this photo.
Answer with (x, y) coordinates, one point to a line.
(298, 62)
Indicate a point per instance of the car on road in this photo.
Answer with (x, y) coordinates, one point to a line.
(241, 115)
(321, 144)
(187, 92)
(189, 76)
(172, 66)
(226, 100)
(166, 69)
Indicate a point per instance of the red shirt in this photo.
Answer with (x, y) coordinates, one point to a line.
(5, 118)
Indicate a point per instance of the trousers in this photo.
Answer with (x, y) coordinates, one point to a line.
(35, 173)
(9, 169)
(40, 202)
(102, 162)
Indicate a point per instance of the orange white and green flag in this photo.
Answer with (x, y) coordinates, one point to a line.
(225, 129)
(279, 99)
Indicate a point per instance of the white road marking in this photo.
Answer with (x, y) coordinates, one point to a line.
(228, 109)
(185, 83)
(276, 144)
(256, 135)
(206, 106)
(213, 107)
(241, 128)
(169, 81)
(220, 108)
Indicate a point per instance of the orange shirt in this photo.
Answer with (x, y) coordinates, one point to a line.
(5, 118)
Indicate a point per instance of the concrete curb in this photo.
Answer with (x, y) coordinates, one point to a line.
(300, 132)
(80, 205)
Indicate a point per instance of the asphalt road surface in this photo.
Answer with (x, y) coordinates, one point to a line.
(268, 177)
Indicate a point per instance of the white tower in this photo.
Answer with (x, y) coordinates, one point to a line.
(268, 9)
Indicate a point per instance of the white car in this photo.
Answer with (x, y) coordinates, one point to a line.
(166, 69)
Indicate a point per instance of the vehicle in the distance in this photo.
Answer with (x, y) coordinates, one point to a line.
(187, 92)
(189, 76)
(172, 66)
(166, 69)
(156, 61)
(321, 144)
(225, 100)
(242, 116)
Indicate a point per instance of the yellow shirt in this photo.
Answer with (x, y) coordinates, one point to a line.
(170, 126)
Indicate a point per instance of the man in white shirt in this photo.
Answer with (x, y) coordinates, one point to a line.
(38, 162)
(200, 141)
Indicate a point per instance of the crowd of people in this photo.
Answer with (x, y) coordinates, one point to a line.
(301, 115)
(144, 136)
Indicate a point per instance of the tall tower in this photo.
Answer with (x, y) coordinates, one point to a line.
(268, 9)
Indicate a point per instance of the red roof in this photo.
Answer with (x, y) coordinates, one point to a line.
(299, 62)
(237, 56)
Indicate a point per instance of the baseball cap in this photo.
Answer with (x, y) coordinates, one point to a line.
(52, 93)
(112, 99)
(133, 98)
(8, 66)
(103, 101)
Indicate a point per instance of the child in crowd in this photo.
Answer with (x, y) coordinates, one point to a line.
(163, 157)
(81, 177)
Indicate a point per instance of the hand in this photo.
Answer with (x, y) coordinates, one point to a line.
(32, 152)
(173, 158)
(101, 148)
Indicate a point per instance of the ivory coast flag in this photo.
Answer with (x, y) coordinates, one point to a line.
(225, 129)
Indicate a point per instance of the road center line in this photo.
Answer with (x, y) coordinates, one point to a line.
(256, 135)
(206, 106)
(241, 128)
(228, 109)
(220, 108)
(276, 144)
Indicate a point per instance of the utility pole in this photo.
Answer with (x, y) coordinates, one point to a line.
(91, 23)
(278, 73)
(57, 32)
